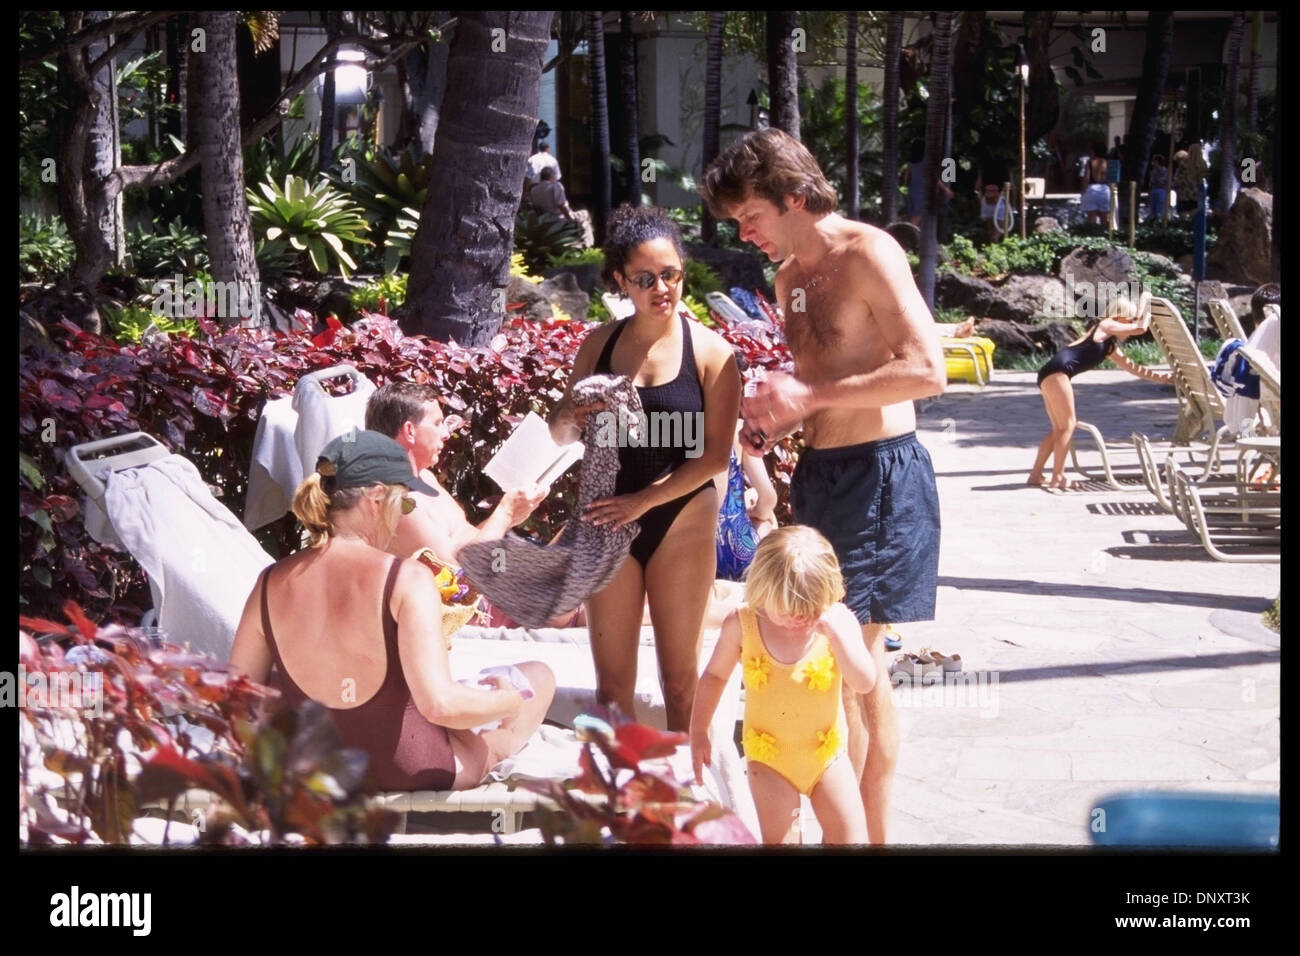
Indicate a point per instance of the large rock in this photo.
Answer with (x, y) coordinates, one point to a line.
(952, 290)
(564, 292)
(537, 297)
(1043, 338)
(587, 276)
(1244, 247)
(536, 305)
(1025, 298)
(1095, 266)
(906, 234)
(1046, 224)
(744, 269)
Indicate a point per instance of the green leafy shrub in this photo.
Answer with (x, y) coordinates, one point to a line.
(315, 220)
(45, 250)
(579, 257)
(701, 279)
(542, 236)
(380, 295)
(178, 249)
(129, 322)
(267, 159)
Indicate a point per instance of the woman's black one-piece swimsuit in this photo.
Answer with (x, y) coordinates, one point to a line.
(1084, 357)
(642, 466)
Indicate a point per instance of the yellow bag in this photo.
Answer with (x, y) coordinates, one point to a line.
(454, 615)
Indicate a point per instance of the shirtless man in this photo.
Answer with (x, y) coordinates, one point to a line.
(410, 414)
(864, 346)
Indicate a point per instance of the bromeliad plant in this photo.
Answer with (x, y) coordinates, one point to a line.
(642, 804)
(316, 220)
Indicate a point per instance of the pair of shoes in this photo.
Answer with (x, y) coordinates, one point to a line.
(950, 664)
(916, 669)
(893, 640)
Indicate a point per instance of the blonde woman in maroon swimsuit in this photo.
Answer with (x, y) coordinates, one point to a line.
(360, 631)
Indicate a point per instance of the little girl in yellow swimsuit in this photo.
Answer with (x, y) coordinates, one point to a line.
(798, 642)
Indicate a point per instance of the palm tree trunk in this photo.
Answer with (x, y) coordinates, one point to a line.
(595, 23)
(221, 160)
(935, 118)
(328, 105)
(632, 129)
(81, 166)
(1146, 109)
(851, 116)
(1228, 136)
(712, 112)
(889, 161)
(783, 72)
(460, 255)
(1252, 91)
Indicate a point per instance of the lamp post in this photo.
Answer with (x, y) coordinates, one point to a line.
(1022, 73)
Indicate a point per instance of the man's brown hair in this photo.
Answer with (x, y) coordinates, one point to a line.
(397, 403)
(767, 163)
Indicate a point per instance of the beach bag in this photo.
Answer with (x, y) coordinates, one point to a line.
(1232, 374)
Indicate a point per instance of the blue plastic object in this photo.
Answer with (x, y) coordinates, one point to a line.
(1186, 818)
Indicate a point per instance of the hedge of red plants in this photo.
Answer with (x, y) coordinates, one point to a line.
(201, 397)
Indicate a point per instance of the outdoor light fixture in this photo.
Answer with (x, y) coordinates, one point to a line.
(1022, 72)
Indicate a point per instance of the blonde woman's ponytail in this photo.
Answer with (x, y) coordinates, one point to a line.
(311, 506)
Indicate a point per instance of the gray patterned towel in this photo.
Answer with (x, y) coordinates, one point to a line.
(534, 583)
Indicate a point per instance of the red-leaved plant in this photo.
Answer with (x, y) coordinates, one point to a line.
(643, 805)
(91, 762)
(201, 396)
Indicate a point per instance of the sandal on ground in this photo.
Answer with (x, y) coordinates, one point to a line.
(951, 664)
(916, 669)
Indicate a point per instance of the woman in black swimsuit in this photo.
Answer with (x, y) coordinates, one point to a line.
(680, 369)
(1099, 342)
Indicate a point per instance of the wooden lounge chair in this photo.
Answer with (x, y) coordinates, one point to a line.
(1237, 526)
(1225, 320)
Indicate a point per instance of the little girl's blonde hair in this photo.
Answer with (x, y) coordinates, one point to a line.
(794, 574)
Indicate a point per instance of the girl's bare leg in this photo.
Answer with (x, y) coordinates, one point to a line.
(837, 802)
(777, 803)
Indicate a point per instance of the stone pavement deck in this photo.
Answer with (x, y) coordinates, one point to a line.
(1116, 653)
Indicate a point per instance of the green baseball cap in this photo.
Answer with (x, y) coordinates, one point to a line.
(358, 459)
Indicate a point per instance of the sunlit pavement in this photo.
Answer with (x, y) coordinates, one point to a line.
(1109, 651)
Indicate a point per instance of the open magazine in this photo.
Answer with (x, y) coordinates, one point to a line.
(531, 456)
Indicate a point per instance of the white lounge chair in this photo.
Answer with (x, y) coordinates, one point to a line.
(200, 560)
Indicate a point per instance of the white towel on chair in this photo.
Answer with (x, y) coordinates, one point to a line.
(323, 417)
(276, 469)
(201, 562)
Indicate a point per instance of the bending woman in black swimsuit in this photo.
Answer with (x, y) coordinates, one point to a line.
(680, 369)
(1099, 342)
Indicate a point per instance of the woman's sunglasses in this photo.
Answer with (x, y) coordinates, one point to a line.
(647, 280)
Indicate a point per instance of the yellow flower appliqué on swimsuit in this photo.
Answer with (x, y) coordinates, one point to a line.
(829, 741)
(757, 668)
(817, 672)
(759, 746)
